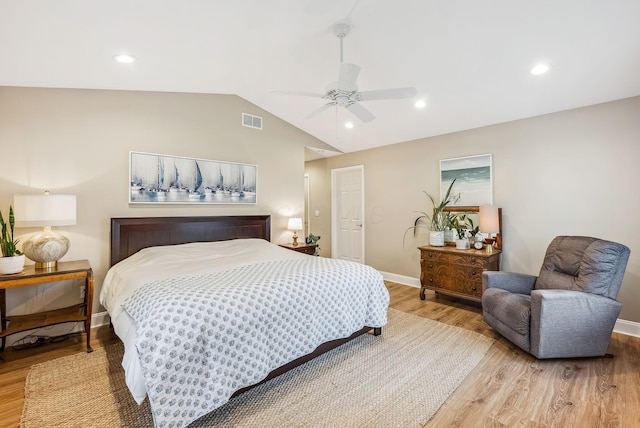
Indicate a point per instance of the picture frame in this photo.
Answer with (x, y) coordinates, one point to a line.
(474, 179)
(165, 179)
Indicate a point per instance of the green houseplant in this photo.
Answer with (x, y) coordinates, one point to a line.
(12, 260)
(439, 220)
(465, 230)
(313, 240)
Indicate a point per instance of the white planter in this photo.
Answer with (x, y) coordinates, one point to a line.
(449, 235)
(462, 244)
(9, 265)
(436, 238)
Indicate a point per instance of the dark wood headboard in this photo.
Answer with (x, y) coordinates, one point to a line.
(130, 235)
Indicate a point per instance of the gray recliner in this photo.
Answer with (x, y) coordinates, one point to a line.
(569, 309)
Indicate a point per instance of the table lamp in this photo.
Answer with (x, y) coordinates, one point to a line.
(295, 224)
(46, 210)
(489, 223)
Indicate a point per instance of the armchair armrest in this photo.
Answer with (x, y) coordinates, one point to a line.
(513, 282)
(568, 323)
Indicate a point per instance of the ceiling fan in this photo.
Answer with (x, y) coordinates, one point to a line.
(344, 92)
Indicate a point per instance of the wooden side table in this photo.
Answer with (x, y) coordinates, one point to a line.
(30, 275)
(301, 248)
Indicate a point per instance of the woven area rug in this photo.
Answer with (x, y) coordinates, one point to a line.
(398, 379)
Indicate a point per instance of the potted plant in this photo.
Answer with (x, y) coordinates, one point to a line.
(439, 220)
(459, 224)
(12, 260)
(466, 232)
(473, 231)
(313, 240)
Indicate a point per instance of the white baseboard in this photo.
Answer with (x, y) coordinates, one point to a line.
(100, 319)
(97, 320)
(629, 328)
(401, 279)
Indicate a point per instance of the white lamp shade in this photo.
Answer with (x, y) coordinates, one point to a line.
(295, 223)
(44, 210)
(489, 221)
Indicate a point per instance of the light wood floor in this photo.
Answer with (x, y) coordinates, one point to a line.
(508, 388)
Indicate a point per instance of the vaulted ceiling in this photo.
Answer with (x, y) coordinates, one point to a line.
(469, 60)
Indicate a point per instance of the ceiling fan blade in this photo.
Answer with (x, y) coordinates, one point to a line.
(303, 94)
(360, 112)
(387, 94)
(347, 77)
(320, 110)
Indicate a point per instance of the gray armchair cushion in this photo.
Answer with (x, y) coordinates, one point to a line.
(509, 313)
(583, 264)
(513, 282)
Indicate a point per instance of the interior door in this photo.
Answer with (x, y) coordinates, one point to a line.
(347, 190)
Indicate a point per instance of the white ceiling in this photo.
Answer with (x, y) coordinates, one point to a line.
(469, 59)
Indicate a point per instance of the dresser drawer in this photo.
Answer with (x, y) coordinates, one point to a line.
(455, 259)
(458, 279)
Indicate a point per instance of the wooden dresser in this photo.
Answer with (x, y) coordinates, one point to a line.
(454, 272)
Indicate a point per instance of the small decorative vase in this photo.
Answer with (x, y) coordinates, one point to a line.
(462, 244)
(436, 238)
(10, 265)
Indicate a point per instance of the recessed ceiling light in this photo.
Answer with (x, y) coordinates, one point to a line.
(348, 125)
(540, 69)
(124, 58)
(420, 104)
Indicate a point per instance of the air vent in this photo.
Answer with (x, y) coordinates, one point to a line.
(251, 121)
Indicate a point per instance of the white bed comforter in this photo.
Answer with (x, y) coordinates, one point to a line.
(200, 321)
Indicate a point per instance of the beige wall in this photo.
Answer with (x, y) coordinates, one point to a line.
(574, 172)
(78, 142)
(320, 201)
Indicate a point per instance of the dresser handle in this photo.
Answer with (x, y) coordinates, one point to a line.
(430, 279)
(473, 272)
(430, 255)
(430, 266)
(474, 288)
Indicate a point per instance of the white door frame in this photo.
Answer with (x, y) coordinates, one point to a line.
(307, 206)
(334, 208)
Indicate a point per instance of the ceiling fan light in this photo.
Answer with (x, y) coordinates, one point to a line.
(348, 125)
(539, 69)
(124, 58)
(420, 104)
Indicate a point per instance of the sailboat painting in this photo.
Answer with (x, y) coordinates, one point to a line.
(155, 178)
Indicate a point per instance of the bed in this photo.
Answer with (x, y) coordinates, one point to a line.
(207, 308)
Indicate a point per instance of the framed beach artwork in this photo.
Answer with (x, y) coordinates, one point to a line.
(474, 181)
(163, 179)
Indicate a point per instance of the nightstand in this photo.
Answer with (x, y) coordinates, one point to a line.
(30, 276)
(301, 248)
